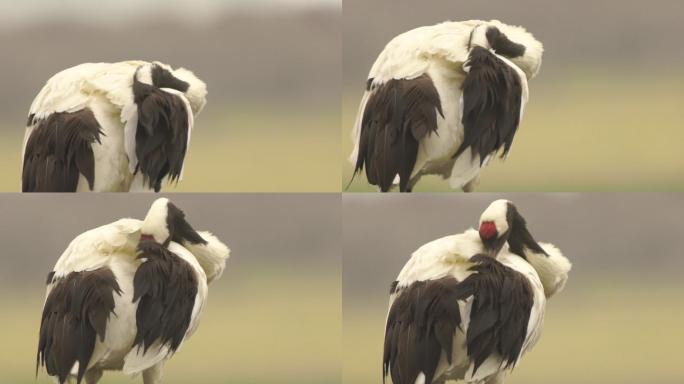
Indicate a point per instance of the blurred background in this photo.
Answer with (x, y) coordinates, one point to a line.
(274, 315)
(272, 68)
(605, 112)
(618, 319)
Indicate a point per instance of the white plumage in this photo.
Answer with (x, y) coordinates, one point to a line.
(403, 131)
(431, 303)
(89, 116)
(116, 255)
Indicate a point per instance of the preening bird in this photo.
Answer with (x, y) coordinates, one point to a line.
(126, 296)
(110, 127)
(442, 100)
(468, 306)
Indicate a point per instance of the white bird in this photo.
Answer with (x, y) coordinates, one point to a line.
(110, 127)
(126, 295)
(468, 306)
(442, 100)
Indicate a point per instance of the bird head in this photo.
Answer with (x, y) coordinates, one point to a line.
(501, 223)
(494, 227)
(512, 42)
(161, 75)
(164, 223)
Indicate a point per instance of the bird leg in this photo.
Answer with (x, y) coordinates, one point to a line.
(412, 183)
(496, 379)
(153, 374)
(93, 375)
(470, 186)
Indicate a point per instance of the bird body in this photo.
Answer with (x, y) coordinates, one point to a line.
(450, 259)
(442, 100)
(469, 306)
(121, 297)
(110, 127)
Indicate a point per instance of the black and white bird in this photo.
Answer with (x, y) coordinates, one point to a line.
(468, 306)
(126, 296)
(110, 127)
(442, 100)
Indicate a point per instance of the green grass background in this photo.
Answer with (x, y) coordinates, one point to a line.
(587, 130)
(261, 325)
(243, 149)
(599, 331)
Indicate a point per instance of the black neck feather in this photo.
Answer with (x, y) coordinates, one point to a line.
(520, 237)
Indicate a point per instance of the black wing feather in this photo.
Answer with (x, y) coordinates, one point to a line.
(492, 99)
(162, 134)
(424, 317)
(500, 312)
(58, 150)
(397, 115)
(165, 288)
(75, 313)
(419, 327)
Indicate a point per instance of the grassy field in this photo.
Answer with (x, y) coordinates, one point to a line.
(266, 327)
(594, 131)
(616, 332)
(276, 151)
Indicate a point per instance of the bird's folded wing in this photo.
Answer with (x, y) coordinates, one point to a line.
(140, 359)
(166, 117)
(494, 96)
(158, 341)
(401, 104)
(61, 93)
(446, 256)
(71, 89)
(92, 249)
(409, 56)
(411, 53)
(100, 87)
(497, 306)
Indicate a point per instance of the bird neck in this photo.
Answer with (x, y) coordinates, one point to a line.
(478, 37)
